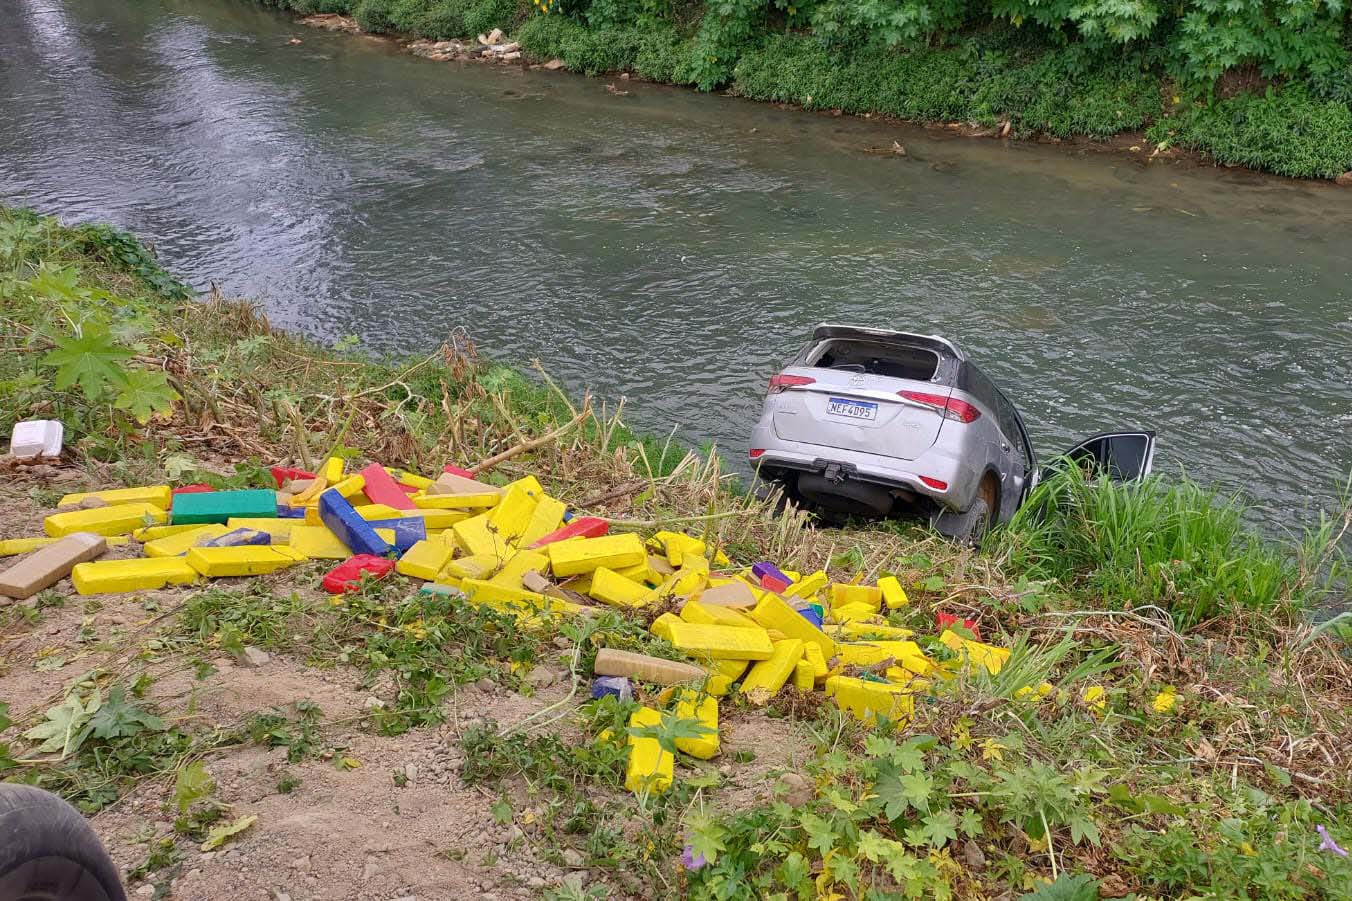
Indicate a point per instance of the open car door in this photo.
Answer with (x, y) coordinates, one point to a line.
(1121, 456)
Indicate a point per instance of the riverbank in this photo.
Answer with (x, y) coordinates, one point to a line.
(1189, 739)
(991, 79)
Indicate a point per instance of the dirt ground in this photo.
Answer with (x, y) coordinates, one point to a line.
(356, 833)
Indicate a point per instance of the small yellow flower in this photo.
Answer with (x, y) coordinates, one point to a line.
(1164, 701)
(1095, 701)
(1042, 691)
(1247, 850)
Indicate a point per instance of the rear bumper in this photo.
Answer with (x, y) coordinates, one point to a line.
(781, 458)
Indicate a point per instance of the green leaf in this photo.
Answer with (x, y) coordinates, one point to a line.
(705, 836)
(60, 730)
(840, 802)
(917, 788)
(501, 811)
(970, 824)
(222, 834)
(57, 283)
(175, 465)
(91, 359)
(1084, 827)
(903, 867)
(907, 757)
(941, 827)
(1066, 888)
(794, 871)
(847, 871)
(820, 835)
(191, 785)
(875, 847)
(670, 730)
(144, 393)
(1121, 796)
(116, 718)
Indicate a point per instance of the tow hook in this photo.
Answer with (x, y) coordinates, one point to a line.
(833, 474)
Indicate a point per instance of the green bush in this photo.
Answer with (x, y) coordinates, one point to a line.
(1062, 94)
(484, 16)
(661, 54)
(1053, 93)
(542, 37)
(887, 22)
(725, 32)
(1285, 131)
(1281, 37)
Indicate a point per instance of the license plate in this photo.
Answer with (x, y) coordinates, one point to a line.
(851, 409)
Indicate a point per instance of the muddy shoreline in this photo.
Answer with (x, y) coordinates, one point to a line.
(1132, 145)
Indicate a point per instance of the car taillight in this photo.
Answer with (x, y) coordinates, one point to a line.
(780, 382)
(947, 407)
(936, 484)
(756, 453)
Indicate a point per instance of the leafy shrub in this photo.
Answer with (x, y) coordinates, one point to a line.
(581, 49)
(1285, 131)
(1061, 93)
(543, 37)
(607, 14)
(1282, 37)
(486, 15)
(1055, 93)
(1116, 21)
(373, 15)
(887, 22)
(436, 19)
(725, 32)
(1335, 85)
(661, 54)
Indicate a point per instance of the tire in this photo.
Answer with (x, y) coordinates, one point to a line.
(968, 528)
(48, 852)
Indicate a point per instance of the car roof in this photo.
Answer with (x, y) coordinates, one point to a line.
(934, 342)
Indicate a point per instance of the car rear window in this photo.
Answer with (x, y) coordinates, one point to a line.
(897, 361)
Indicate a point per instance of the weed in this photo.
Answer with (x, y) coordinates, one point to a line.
(164, 854)
(1171, 545)
(102, 746)
(301, 735)
(428, 644)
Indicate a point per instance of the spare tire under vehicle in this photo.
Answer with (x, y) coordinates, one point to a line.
(48, 852)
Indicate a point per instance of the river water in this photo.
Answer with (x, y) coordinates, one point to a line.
(673, 247)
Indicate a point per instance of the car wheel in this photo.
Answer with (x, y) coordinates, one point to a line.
(965, 528)
(48, 852)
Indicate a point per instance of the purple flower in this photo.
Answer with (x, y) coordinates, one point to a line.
(692, 861)
(1328, 844)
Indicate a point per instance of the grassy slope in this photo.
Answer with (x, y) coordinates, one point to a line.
(1116, 600)
(990, 75)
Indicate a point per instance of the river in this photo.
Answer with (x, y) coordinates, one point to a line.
(673, 247)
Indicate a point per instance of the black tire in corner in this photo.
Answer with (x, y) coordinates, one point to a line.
(48, 852)
(967, 528)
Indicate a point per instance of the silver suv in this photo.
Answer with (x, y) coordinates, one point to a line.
(874, 422)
